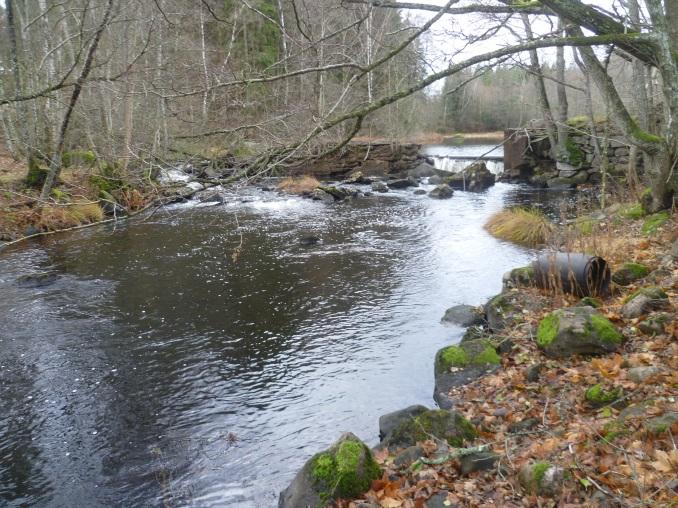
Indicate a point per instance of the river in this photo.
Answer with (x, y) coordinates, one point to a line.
(199, 356)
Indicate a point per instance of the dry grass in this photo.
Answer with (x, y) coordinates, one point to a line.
(526, 227)
(60, 217)
(302, 185)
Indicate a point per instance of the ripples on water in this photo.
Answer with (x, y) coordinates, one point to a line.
(158, 369)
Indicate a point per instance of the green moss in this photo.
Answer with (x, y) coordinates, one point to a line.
(634, 211)
(598, 396)
(59, 195)
(612, 430)
(644, 136)
(84, 157)
(548, 329)
(604, 329)
(636, 269)
(523, 275)
(347, 473)
(653, 222)
(585, 227)
(575, 155)
(37, 172)
(539, 471)
(589, 301)
(472, 352)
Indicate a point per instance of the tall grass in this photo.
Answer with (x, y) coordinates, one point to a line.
(527, 227)
(60, 217)
(302, 185)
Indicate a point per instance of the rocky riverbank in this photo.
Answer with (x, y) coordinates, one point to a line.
(550, 399)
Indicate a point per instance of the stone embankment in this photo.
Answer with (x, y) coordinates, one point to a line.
(527, 157)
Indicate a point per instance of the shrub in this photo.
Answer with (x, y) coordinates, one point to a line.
(527, 227)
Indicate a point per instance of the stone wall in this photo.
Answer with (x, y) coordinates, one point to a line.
(372, 159)
(527, 158)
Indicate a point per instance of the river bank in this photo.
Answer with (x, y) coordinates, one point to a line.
(551, 427)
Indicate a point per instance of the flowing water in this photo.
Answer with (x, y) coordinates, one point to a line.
(199, 356)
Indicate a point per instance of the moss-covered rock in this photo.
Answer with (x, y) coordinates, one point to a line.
(590, 301)
(37, 172)
(577, 330)
(449, 426)
(522, 276)
(507, 309)
(461, 364)
(660, 424)
(541, 478)
(599, 396)
(345, 470)
(645, 300)
(629, 272)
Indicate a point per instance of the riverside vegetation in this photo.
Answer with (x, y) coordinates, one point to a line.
(550, 399)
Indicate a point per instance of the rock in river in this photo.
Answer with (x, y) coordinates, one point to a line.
(442, 191)
(345, 470)
(474, 178)
(463, 315)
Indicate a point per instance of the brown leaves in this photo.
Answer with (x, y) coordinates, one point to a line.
(666, 462)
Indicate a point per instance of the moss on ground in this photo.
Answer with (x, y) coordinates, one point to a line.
(539, 471)
(634, 211)
(548, 329)
(654, 222)
(598, 396)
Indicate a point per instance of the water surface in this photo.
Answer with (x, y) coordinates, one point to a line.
(199, 356)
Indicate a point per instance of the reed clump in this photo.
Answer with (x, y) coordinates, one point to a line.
(60, 217)
(302, 185)
(523, 226)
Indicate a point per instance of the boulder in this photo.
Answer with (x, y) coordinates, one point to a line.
(357, 177)
(559, 183)
(402, 183)
(577, 330)
(629, 272)
(345, 470)
(390, 421)
(459, 365)
(423, 170)
(419, 192)
(522, 276)
(338, 193)
(474, 178)
(379, 187)
(542, 479)
(437, 180)
(442, 191)
(321, 195)
(449, 426)
(654, 325)
(463, 315)
(479, 461)
(641, 374)
(507, 309)
(645, 300)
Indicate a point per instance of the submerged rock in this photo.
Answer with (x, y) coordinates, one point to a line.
(449, 426)
(402, 183)
(309, 240)
(345, 470)
(37, 280)
(577, 330)
(321, 195)
(379, 187)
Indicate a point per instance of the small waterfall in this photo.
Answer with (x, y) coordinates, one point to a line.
(456, 165)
